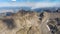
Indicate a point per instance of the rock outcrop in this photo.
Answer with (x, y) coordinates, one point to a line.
(25, 22)
(20, 23)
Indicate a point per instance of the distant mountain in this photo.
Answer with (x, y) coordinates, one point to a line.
(48, 9)
(38, 9)
(14, 8)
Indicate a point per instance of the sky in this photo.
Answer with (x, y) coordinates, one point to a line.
(30, 3)
(30, 0)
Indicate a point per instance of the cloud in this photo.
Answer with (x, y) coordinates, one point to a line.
(33, 5)
(45, 4)
(15, 4)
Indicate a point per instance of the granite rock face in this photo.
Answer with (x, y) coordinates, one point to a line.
(30, 23)
(20, 23)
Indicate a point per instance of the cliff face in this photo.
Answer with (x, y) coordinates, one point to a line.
(29, 23)
(21, 23)
(50, 23)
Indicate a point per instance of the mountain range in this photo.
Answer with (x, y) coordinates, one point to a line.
(29, 8)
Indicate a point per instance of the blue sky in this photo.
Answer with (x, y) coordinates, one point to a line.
(30, 3)
(31, 0)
